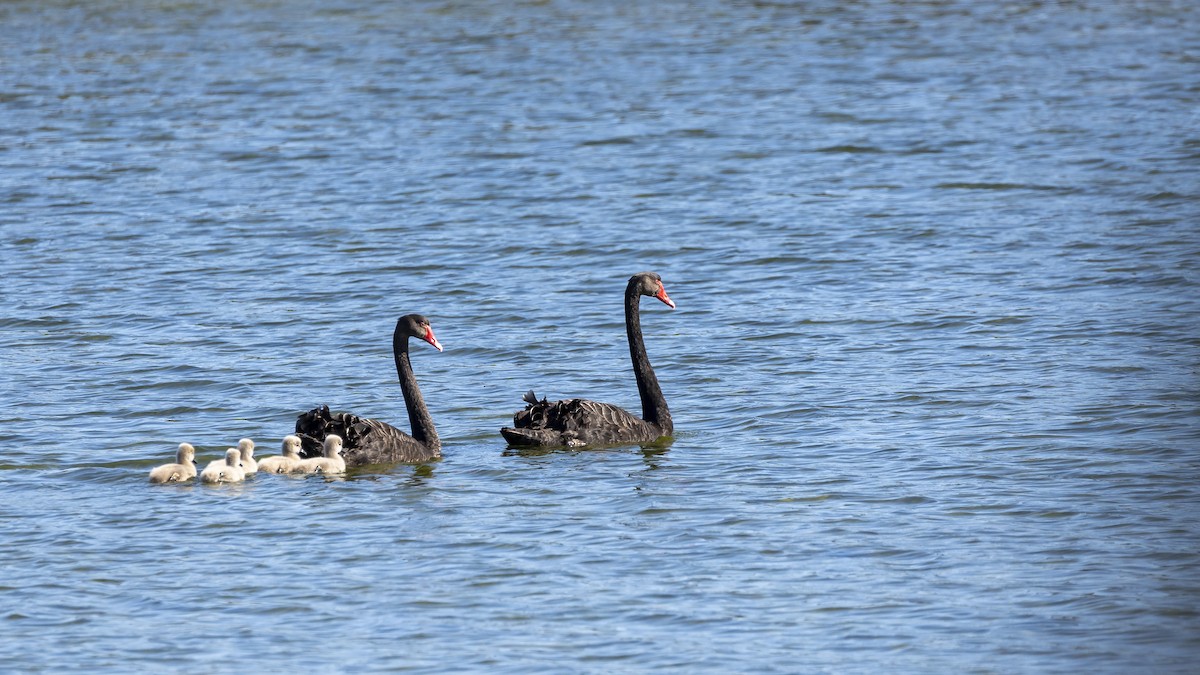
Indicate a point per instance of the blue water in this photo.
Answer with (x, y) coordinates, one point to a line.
(933, 368)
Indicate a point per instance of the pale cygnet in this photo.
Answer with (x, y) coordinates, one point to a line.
(246, 448)
(218, 464)
(332, 462)
(228, 470)
(285, 463)
(183, 469)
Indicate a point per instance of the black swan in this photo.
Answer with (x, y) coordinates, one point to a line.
(577, 421)
(368, 441)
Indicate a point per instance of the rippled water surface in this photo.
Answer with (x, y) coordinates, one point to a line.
(933, 368)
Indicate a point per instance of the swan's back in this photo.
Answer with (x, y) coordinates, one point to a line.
(576, 422)
(364, 440)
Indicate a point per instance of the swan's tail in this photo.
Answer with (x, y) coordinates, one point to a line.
(534, 414)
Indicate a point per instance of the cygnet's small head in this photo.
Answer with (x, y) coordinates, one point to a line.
(291, 446)
(246, 447)
(333, 445)
(649, 283)
(186, 453)
(415, 325)
(233, 457)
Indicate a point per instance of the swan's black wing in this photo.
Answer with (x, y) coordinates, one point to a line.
(382, 443)
(364, 440)
(313, 426)
(576, 422)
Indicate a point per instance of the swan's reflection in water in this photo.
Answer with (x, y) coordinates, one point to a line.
(652, 453)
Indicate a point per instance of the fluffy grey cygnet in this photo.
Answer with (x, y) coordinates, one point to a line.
(332, 462)
(183, 469)
(246, 449)
(285, 463)
(226, 470)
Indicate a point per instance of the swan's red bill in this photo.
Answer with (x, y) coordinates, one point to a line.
(662, 295)
(432, 340)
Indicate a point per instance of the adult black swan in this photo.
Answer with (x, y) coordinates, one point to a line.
(577, 421)
(367, 441)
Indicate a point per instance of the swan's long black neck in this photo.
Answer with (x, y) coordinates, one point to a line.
(418, 414)
(654, 405)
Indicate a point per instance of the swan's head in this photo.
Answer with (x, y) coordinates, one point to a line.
(233, 457)
(415, 325)
(246, 447)
(649, 283)
(333, 445)
(291, 446)
(186, 453)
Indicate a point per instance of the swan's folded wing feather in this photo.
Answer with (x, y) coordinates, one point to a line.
(378, 442)
(577, 421)
(364, 440)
